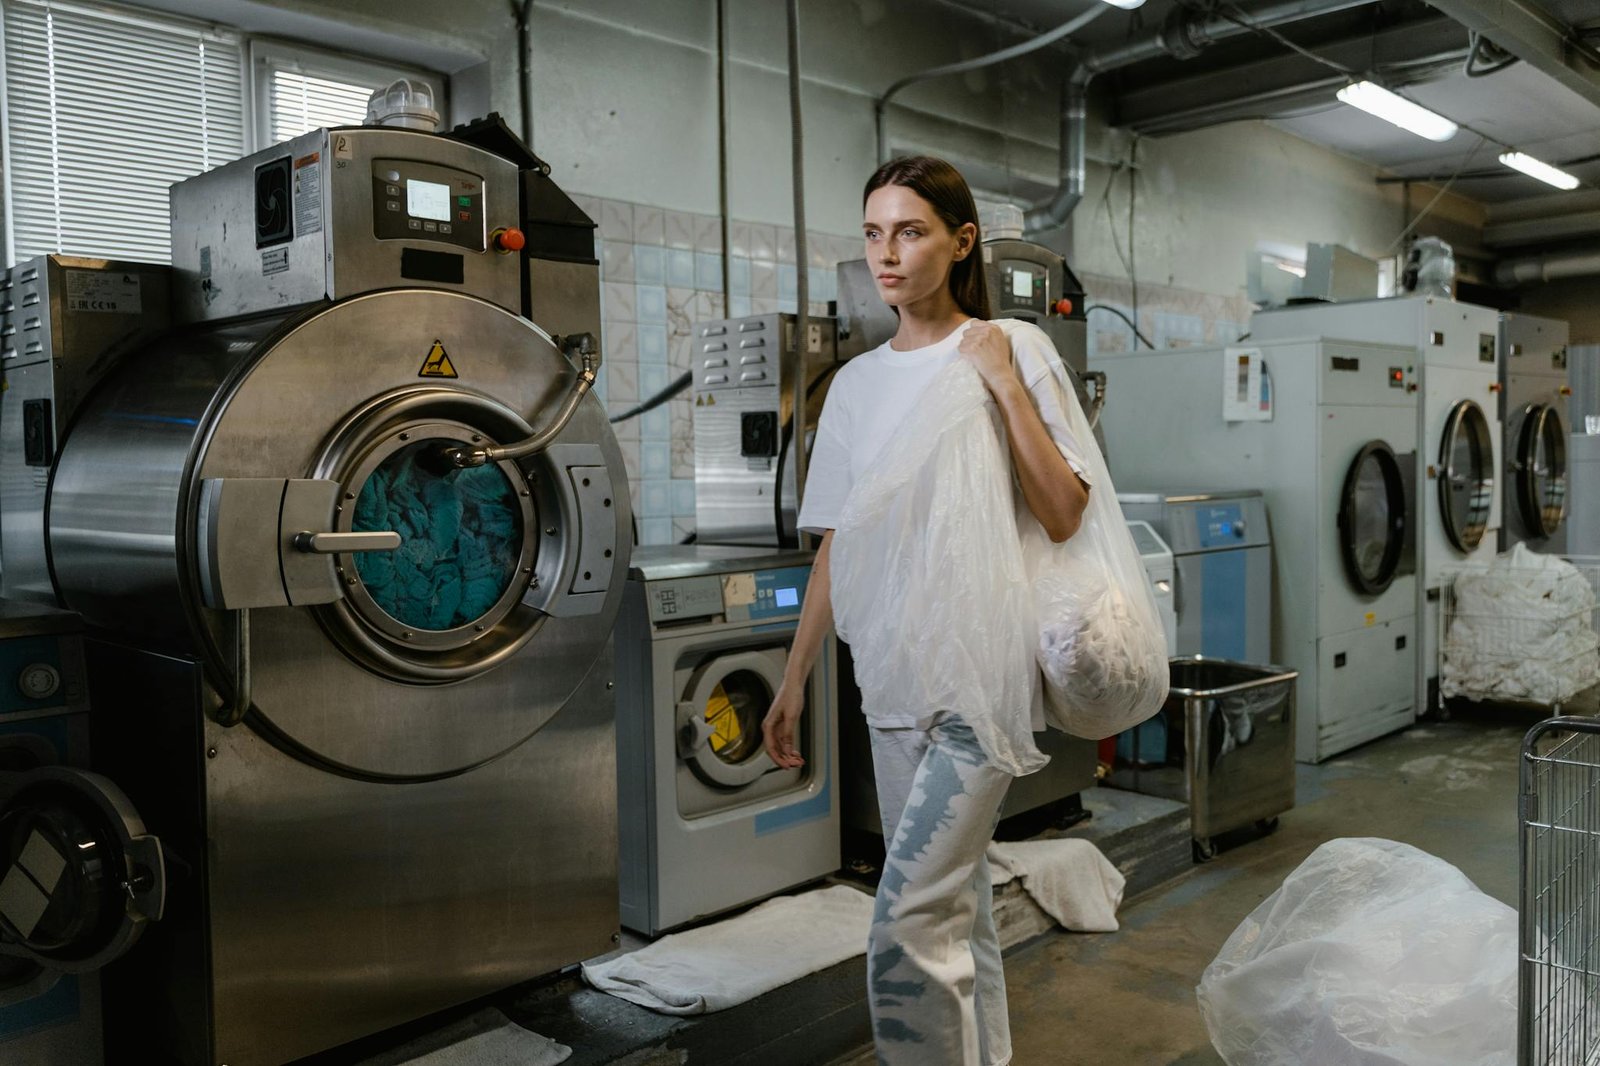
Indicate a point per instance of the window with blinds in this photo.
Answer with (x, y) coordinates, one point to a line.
(301, 89)
(104, 110)
(299, 102)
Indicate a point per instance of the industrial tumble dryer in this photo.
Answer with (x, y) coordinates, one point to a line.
(1332, 451)
(1534, 404)
(1457, 371)
(349, 543)
(710, 822)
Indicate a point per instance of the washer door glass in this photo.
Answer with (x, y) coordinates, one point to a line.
(1542, 470)
(733, 714)
(719, 718)
(461, 538)
(1373, 519)
(1466, 475)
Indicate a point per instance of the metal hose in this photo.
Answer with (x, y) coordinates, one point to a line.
(582, 345)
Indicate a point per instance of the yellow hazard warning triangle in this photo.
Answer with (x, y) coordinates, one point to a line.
(438, 364)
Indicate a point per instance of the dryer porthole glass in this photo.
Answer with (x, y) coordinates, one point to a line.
(1466, 475)
(1542, 470)
(1373, 518)
(461, 538)
(733, 714)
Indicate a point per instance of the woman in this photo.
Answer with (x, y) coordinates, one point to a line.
(935, 984)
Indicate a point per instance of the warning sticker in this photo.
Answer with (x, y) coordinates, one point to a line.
(308, 193)
(104, 290)
(275, 260)
(438, 364)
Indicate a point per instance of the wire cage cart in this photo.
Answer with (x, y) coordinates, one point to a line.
(1558, 1017)
(1521, 634)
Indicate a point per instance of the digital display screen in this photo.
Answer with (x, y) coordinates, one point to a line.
(1022, 283)
(787, 597)
(427, 199)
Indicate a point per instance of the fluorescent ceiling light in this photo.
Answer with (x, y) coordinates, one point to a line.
(1376, 100)
(1536, 169)
(1126, 5)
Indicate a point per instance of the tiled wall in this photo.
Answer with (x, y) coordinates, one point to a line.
(661, 272)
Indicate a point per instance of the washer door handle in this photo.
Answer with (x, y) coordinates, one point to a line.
(339, 543)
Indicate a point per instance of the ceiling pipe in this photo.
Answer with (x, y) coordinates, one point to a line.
(1182, 36)
(1532, 269)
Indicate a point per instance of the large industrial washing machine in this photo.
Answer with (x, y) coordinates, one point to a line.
(1534, 405)
(710, 822)
(350, 542)
(1334, 461)
(1458, 433)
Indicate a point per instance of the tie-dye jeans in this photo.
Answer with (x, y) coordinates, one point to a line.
(934, 981)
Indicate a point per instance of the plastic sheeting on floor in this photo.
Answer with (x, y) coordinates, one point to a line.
(723, 964)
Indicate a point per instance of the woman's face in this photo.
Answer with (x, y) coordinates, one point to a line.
(909, 248)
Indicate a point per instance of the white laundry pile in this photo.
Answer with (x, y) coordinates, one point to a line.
(1070, 880)
(721, 965)
(1521, 630)
(487, 1038)
(1372, 953)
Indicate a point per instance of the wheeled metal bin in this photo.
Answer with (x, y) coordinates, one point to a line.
(1223, 742)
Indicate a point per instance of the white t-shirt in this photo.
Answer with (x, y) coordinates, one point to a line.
(873, 393)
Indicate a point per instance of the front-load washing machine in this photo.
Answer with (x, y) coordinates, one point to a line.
(1458, 433)
(707, 821)
(348, 544)
(1333, 455)
(80, 877)
(1534, 404)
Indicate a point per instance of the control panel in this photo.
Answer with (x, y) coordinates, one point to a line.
(424, 201)
(747, 596)
(1024, 286)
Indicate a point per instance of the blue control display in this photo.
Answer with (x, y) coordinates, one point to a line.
(1220, 525)
(779, 593)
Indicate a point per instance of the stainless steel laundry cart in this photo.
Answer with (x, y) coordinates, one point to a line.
(1558, 1020)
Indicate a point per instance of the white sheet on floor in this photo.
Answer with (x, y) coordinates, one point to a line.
(1070, 879)
(487, 1038)
(723, 964)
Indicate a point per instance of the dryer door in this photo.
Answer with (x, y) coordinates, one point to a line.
(79, 876)
(719, 716)
(1541, 468)
(1373, 518)
(1466, 475)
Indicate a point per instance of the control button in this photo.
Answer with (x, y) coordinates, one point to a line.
(508, 240)
(393, 175)
(414, 223)
(1063, 306)
(464, 201)
(393, 205)
(445, 227)
(392, 190)
(464, 216)
(39, 681)
(430, 227)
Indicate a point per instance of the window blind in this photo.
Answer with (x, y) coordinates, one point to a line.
(300, 102)
(105, 110)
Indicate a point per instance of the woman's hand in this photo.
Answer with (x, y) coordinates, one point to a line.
(779, 727)
(987, 348)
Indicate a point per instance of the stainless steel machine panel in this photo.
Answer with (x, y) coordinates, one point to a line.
(744, 468)
(339, 212)
(63, 322)
(1534, 412)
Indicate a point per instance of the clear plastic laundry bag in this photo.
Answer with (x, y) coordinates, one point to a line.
(1101, 646)
(1371, 953)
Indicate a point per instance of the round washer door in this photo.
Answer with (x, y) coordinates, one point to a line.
(1373, 518)
(1542, 470)
(720, 714)
(79, 876)
(1466, 475)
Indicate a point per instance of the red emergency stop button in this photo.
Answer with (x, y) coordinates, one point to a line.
(1063, 306)
(508, 240)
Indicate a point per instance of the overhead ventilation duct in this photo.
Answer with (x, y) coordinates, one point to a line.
(1532, 269)
(1183, 36)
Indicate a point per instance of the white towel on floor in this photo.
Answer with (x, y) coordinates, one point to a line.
(1069, 879)
(487, 1038)
(721, 965)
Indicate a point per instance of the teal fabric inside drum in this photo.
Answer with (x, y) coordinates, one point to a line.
(460, 540)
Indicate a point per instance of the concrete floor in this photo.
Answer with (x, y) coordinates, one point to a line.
(1447, 787)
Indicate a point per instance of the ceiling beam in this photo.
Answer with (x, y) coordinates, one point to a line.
(1531, 33)
(1407, 53)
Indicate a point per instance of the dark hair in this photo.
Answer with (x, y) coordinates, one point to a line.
(942, 185)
